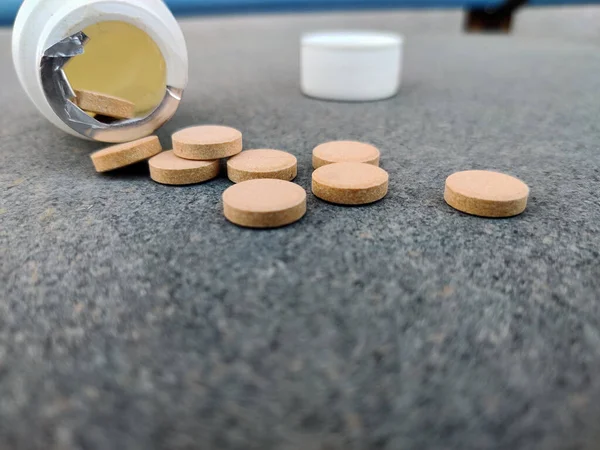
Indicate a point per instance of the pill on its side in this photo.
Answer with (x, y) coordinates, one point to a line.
(107, 105)
(122, 155)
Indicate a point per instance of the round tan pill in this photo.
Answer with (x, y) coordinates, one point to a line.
(350, 183)
(106, 105)
(166, 168)
(262, 163)
(485, 193)
(207, 142)
(345, 151)
(122, 155)
(264, 203)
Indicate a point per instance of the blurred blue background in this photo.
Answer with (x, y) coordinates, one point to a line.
(8, 8)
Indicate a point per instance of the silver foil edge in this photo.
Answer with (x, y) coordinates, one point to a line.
(59, 94)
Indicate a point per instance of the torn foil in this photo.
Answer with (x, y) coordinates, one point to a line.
(59, 94)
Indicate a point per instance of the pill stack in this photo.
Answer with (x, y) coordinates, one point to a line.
(348, 173)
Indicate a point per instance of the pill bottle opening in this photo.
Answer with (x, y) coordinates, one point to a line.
(122, 69)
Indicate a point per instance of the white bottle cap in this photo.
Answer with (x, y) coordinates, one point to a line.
(351, 65)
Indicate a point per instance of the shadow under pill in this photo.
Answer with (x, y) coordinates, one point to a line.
(137, 170)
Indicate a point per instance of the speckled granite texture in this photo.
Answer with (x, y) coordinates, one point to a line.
(133, 316)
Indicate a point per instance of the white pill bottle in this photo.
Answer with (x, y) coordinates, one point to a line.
(130, 49)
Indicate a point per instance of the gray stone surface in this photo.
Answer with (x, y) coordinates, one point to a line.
(133, 316)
